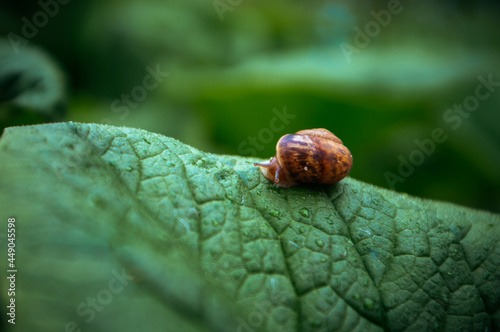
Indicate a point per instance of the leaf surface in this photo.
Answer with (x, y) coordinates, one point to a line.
(122, 229)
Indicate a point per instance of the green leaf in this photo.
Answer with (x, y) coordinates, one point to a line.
(30, 80)
(122, 229)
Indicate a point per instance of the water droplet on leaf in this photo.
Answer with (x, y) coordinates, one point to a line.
(274, 213)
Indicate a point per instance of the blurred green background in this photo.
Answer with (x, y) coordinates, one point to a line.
(233, 66)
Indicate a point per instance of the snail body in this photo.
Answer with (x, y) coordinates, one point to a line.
(308, 156)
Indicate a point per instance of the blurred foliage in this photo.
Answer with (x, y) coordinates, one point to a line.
(228, 71)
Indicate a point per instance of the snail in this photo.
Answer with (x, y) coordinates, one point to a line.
(308, 156)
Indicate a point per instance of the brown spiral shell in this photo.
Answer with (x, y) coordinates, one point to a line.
(308, 156)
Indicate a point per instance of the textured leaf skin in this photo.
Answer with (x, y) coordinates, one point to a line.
(212, 246)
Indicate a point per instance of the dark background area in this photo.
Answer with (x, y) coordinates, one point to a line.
(228, 72)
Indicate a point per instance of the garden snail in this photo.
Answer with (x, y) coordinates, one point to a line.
(308, 156)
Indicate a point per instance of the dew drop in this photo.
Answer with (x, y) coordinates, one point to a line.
(274, 213)
(320, 243)
(369, 304)
(304, 212)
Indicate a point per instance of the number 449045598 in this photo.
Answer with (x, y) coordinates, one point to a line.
(11, 237)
